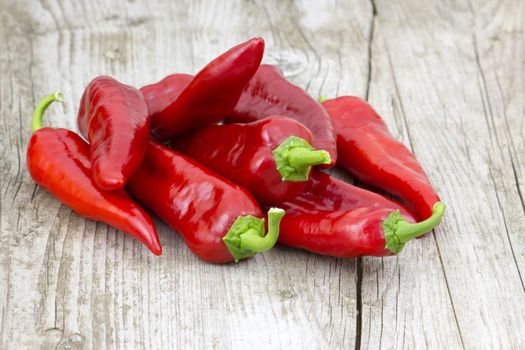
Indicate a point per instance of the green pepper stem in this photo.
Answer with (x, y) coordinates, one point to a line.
(303, 157)
(294, 158)
(245, 238)
(251, 240)
(407, 231)
(40, 108)
(398, 231)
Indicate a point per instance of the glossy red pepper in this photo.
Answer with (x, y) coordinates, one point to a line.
(368, 150)
(271, 158)
(333, 218)
(114, 119)
(212, 93)
(325, 192)
(269, 93)
(220, 221)
(159, 95)
(58, 160)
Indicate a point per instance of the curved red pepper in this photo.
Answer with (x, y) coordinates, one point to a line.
(269, 93)
(326, 193)
(114, 118)
(159, 95)
(340, 233)
(58, 160)
(333, 218)
(212, 94)
(219, 221)
(271, 158)
(368, 150)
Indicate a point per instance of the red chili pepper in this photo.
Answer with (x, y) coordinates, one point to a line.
(114, 119)
(212, 94)
(159, 95)
(58, 160)
(219, 221)
(269, 93)
(325, 192)
(368, 150)
(271, 158)
(333, 218)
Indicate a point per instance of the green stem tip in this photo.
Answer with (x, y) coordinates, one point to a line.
(41, 108)
(246, 235)
(294, 158)
(321, 99)
(398, 231)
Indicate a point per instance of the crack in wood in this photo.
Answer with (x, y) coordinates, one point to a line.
(370, 43)
(448, 289)
(359, 280)
(359, 304)
(504, 219)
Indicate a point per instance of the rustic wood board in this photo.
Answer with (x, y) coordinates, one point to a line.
(447, 76)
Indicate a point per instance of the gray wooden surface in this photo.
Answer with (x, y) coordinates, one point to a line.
(448, 77)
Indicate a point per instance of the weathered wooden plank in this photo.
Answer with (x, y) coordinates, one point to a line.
(68, 282)
(499, 44)
(440, 93)
(405, 299)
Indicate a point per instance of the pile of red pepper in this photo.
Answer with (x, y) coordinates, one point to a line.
(212, 154)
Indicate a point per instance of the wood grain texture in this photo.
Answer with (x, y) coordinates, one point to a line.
(447, 76)
(441, 93)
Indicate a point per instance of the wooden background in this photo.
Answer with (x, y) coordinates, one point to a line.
(448, 77)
